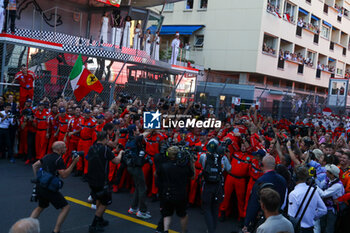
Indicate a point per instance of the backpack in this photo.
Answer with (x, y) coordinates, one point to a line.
(48, 180)
(212, 171)
(133, 157)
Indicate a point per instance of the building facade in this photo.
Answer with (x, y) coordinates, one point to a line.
(282, 47)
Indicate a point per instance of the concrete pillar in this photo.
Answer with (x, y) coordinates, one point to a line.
(243, 78)
(265, 80)
(293, 86)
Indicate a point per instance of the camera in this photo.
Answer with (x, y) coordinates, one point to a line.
(135, 117)
(34, 196)
(123, 131)
(77, 154)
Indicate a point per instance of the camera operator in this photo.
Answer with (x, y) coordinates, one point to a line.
(6, 120)
(53, 164)
(99, 156)
(173, 179)
(213, 187)
(135, 159)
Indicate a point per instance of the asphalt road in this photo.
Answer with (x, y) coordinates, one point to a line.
(15, 193)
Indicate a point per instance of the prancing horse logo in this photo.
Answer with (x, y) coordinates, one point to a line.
(91, 79)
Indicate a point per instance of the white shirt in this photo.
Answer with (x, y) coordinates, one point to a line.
(175, 43)
(314, 211)
(335, 191)
(5, 123)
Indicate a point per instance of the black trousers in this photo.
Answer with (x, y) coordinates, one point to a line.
(31, 145)
(119, 174)
(5, 143)
(12, 132)
(307, 230)
(212, 197)
(12, 17)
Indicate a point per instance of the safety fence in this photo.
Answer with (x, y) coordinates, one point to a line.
(52, 71)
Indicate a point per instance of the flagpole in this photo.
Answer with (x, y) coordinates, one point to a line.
(65, 87)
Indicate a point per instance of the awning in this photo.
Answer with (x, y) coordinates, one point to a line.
(315, 18)
(327, 24)
(303, 11)
(331, 59)
(275, 92)
(172, 29)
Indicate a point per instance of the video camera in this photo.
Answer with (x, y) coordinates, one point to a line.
(302, 130)
(224, 145)
(124, 98)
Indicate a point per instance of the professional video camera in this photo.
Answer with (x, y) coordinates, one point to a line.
(186, 153)
(224, 145)
(76, 154)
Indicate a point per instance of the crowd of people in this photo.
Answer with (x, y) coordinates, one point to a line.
(296, 57)
(268, 49)
(254, 145)
(327, 68)
(314, 28)
(251, 155)
(271, 8)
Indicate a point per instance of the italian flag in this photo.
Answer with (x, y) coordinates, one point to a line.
(83, 81)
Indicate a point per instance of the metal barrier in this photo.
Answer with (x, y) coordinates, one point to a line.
(52, 71)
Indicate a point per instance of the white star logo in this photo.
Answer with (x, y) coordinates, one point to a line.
(156, 115)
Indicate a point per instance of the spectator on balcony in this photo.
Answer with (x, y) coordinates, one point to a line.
(11, 7)
(156, 43)
(148, 42)
(116, 22)
(126, 32)
(137, 36)
(300, 22)
(104, 28)
(175, 45)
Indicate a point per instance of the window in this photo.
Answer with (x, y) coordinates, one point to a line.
(310, 59)
(273, 6)
(289, 12)
(169, 7)
(308, 1)
(199, 41)
(269, 45)
(189, 4)
(203, 4)
(325, 32)
(339, 72)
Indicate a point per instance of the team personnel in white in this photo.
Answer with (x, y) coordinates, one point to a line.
(316, 208)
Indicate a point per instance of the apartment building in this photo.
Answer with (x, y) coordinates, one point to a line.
(279, 46)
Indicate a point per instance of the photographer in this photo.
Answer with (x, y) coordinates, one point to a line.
(173, 179)
(135, 158)
(6, 119)
(52, 165)
(99, 156)
(27, 135)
